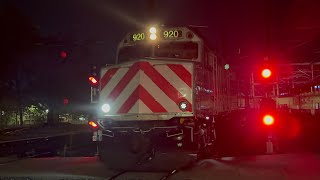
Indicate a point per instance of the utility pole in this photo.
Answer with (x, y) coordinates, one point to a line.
(19, 94)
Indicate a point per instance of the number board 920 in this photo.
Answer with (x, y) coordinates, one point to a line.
(171, 34)
(166, 34)
(138, 36)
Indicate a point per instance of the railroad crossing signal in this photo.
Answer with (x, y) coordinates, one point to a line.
(268, 120)
(65, 101)
(93, 77)
(63, 54)
(94, 83)
(266, 73)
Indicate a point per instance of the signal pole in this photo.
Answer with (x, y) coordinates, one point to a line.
(252, 86)
(94, 84)
(19, 94)
(268, 28)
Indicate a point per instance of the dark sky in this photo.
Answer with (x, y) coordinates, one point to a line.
(231, 24)
(93, 28)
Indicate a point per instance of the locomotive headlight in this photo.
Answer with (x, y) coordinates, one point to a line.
(183, 105)
(153, 33)
(105, 108)
(153, 30)
(153, 37)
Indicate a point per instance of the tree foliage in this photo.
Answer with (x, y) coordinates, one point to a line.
(18, 36)
(35, 113)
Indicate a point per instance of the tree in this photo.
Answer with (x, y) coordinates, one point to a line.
(36, 112)
(18, 36)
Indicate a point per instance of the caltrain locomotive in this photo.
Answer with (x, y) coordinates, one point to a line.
(161, 95)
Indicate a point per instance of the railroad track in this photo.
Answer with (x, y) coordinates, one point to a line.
(167, 174)
(22, 147)
(149, 157)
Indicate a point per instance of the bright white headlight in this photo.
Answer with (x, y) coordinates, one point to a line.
(153, 30)
(105, 108)
(153, 37)
(183, 106)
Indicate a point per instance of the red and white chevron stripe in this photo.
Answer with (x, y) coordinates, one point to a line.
(147, 87)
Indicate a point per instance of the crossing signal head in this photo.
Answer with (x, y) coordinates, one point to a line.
(93, 80)
(268, 120)
(93, 124)
(93, 77)
(65, 101)
(266, 73)
(63, 54)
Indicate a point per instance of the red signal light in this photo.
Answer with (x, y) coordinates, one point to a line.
(93, 80)
(93, 124)
(268, 120)
(63, 54)
(65, 101)
(266, 73)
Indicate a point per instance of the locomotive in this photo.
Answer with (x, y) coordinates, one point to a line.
(160, 98)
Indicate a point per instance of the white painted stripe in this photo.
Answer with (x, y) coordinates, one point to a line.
(103, 71)
(158, 94)
(135, 108)
(143, 108)
(139, 107)
(150, 86)
(188, 67)
(175, 81)
(126, 93)
(113, 83)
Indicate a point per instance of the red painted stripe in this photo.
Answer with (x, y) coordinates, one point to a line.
(182, 72)
(142, 94)
(123, 82)
(162, 83)
(127, 105)
(107, 77)
(150, 101)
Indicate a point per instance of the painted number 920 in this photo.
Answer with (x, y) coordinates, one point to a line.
(170, 34)
(138, 37)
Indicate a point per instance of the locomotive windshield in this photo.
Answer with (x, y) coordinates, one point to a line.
(181, 50)
(129, 53)
(178, 50)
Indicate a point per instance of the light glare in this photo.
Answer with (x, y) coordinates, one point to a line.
(105, 108)
(153, 30)
(153, 36)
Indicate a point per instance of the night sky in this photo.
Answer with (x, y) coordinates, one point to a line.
(245, 31)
